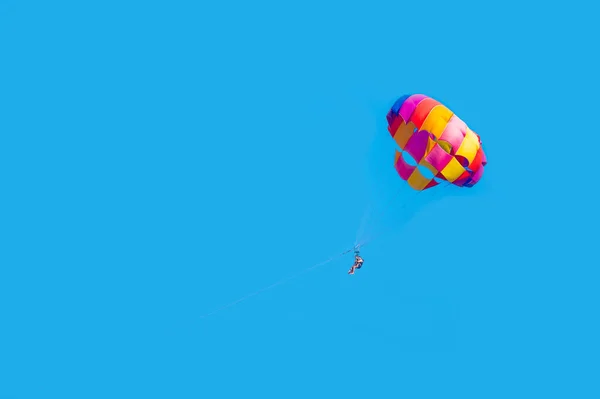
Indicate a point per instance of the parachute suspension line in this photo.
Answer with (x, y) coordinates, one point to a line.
(402, 206)
(386, 207)
(363, 222)
(280, 282)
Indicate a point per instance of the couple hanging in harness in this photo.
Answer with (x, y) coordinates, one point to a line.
(358, 262)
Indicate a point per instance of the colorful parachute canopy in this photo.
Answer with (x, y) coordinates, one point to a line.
(437, 140)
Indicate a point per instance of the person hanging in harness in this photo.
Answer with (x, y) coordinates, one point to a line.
(358, 262)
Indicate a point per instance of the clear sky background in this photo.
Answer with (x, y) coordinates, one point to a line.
(161, 159)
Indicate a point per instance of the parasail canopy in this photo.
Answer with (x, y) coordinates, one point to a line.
(437, 140)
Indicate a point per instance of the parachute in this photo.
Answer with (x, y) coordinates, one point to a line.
(437, 140)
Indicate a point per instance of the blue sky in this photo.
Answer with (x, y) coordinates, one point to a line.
(162, 159)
